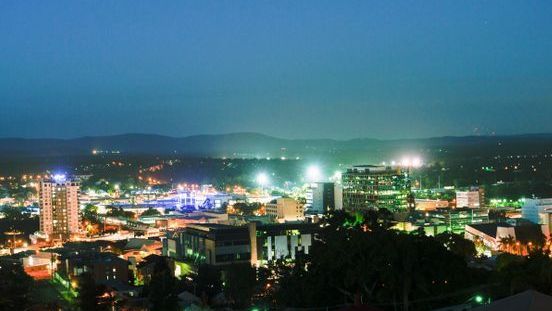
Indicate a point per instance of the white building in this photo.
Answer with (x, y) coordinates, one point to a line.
(492, 235)
(59, 207)
(473, 198)
(285, 209)
(534, 210)
(321, 198)
(338, 196)
(489, 233)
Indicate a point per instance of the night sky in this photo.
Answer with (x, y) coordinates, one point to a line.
(293, 69)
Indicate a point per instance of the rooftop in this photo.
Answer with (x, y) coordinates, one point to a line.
(529, 300)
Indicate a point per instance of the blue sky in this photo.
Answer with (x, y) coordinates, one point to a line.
(294, 69)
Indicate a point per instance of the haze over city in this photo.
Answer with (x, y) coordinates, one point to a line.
(309, 69)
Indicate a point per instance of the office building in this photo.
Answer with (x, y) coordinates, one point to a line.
(255, 243)
(271, 242)
(322, 198)
(456, 219)
(494, 235)
(472, 198)
(369, 186)
(338, 196)
(285, 209)
(212, 244)
(59, 207)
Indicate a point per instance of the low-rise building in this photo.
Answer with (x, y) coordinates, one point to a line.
(504, 236)
(254, 243)
(285, 209)
(534, 210)
(105, 268)
(430, 205)
(273, 242)
(212, 244)
(455, 219)
(136, 249)
(472, 198)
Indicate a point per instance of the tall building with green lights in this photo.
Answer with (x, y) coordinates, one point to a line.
(369, 186)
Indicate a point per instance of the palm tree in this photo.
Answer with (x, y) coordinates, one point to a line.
(507, 243)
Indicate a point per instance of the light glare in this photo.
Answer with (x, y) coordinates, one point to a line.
(262, 179)
(313, 173)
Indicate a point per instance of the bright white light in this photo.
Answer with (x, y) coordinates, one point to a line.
(393, 163)
(411, 162)
(262, 179)
(336, 176)
(313, 173)
(59, 177)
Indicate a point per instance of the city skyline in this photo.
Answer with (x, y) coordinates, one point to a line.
(285, 69)
(275, 155)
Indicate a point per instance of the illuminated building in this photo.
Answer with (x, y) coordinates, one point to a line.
(258, 244)
(176, 220)
(105, 268)
(430, 205)
(213, 244)
(201, 199)
(137, 249)
(473, 198)
(535, 209)
(280, 241)
(455, 219)
(59, 207)
(493, 236)
(321, 197)
(285, 209)
(338, 196)
(369, 186)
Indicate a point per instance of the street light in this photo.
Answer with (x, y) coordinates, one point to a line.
(262, 179)
(479, 299)
(313, 173)
(411, 162)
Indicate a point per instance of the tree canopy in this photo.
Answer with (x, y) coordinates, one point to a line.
(357, 257)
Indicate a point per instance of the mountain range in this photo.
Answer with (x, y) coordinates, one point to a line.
(254, 145)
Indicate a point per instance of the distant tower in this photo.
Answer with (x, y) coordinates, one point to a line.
(59, 207)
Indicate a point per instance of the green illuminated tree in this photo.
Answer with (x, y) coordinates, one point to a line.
(90, 212)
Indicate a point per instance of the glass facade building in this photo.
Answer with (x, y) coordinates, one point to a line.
(369, 186)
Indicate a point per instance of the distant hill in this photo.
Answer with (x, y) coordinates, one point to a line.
(251, 145)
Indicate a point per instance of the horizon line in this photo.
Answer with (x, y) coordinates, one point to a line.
(271, 136)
